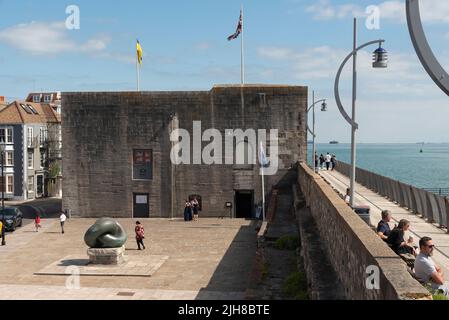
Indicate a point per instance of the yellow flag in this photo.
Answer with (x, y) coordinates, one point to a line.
(139, 53)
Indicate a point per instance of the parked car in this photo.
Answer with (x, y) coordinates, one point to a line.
(13, 218)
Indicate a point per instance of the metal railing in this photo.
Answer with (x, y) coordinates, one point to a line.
(430, 205)
(444, 192)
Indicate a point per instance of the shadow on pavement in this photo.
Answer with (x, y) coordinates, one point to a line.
(233, 272)
(47, 208)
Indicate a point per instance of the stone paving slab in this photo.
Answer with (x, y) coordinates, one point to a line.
(134, 266)
(28, 292)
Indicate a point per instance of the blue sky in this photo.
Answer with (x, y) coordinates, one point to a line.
(297, 42)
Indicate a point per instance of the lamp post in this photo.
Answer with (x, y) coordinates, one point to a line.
(2, 151)
(380, 61)
(312, 107)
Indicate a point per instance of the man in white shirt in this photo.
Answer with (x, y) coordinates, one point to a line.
(328, 161)
(62, 219)
(426, 270)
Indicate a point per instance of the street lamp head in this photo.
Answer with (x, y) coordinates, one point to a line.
(324, 106)
(380, 57)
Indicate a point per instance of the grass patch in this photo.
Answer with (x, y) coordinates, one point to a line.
(295, 286)
(440, 297)
(436, 295)
(287, 243)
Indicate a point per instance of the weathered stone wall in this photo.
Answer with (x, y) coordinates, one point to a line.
(100, 131)
(352, 246)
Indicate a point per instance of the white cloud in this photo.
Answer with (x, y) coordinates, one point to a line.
(434, 11)
(203, 46)
(404, 75)
(43, 38)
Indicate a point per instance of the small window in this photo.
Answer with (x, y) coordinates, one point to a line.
(43, 135)
(2, 136)
(33, 110)
(47, 98)
(30, 137)
(9, 158)
(27, 110)
(30, 184)
(30, 159)
(10, 184)
(36, 98)
(43, 158)
(9, 138)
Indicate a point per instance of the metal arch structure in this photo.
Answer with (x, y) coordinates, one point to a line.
(422, 48)
(310, 108)
(337, 82)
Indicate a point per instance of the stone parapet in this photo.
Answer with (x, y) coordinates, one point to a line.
(353, 249)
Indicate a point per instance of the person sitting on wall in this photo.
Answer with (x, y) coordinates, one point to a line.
(396, 239)
(383, 228)
(426, 271)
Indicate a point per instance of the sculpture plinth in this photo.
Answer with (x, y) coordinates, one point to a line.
(111, 256)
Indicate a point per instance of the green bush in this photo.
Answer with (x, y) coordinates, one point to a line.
(295, 286)
(287, 243)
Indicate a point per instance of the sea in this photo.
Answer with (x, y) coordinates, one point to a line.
(404, 162)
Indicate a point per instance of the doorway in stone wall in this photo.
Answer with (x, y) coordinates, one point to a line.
(244, 204)
(141, 207)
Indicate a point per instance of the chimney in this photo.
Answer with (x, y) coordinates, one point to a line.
(2, 99)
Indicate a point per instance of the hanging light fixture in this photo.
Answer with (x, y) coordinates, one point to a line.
(380, 57)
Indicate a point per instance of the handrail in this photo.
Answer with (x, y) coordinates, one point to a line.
(425, 202)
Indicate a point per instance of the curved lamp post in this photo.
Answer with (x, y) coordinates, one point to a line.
(312, 132)
(425, 54)
(380, 61)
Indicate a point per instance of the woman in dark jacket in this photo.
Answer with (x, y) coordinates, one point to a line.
(188, 211)
(396, 239)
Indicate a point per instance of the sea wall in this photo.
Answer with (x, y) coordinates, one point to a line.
(353, 248)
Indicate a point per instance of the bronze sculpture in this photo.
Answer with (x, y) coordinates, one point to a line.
(106, 233)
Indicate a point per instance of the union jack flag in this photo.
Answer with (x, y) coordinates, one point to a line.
(239, 28)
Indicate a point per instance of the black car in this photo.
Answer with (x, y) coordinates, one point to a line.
(13, 218)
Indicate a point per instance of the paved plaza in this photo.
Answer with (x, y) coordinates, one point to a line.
(209, 259)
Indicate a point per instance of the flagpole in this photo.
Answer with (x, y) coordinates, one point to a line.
(263, 194)
(262, 160)
(138, 75)
(242, 68)
(242, 51)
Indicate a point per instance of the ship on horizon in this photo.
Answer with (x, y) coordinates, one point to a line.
(334, 142)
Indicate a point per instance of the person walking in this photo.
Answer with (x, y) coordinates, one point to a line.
(316, 161)
(195, 206)
(333, 162)
(37, 222)
(187, 211)
(322, 161)
(328, 161)
(140, 235)
(62, 219)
